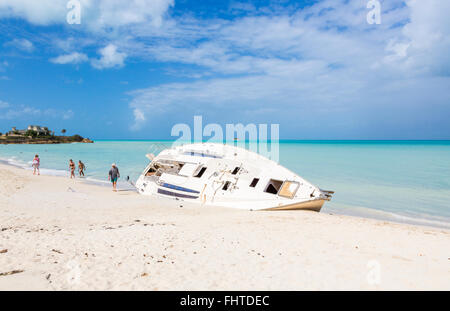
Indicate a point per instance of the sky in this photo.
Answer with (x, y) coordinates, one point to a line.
(133, 69)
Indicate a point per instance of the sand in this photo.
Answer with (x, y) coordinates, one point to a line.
(62, 234)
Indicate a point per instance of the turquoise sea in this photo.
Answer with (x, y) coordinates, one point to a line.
(404, 181)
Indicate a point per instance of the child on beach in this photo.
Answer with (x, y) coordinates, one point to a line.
(72, 169)
(36, 163)
(113, 176)
(81, 168)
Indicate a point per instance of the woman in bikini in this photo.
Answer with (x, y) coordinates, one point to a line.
(36, 163)
(72, 169)
(81, 168)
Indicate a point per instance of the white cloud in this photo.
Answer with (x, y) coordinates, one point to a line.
(322, 60)
(96, 15)
(41, 12)
(15, 112)
(67, 114)
(114, 13)
(428, 34)
(72, 58)
(21, 44)
(110, 58)
(57, 114)
(3, 104)
(22, 111)
(139, 115)
(3, 66)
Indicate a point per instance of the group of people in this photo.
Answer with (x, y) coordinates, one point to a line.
(113, 174)
(81, 168)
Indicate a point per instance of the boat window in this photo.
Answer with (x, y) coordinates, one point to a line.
(289, 189)
(273, 186)
(226, 186)
(236, 170)
(201, 172)
(254, 182)
(150, 172)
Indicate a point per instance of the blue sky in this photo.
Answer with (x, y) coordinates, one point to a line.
(133, 69)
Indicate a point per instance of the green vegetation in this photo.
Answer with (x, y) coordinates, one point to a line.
(35, 137)
(31, 133)
(76, 137)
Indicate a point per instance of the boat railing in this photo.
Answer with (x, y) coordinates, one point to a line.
(157, 147)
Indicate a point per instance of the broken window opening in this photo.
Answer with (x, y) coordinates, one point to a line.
(273, 186)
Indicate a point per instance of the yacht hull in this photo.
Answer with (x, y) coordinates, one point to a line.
(228, 176)
(314, 205)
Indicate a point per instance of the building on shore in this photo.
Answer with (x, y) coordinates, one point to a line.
(40, 130)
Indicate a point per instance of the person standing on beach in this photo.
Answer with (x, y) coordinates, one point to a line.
(36, 163)
(81, 168)
(113, 176)
(72, 169)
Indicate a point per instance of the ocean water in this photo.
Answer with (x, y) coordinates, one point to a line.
(404, 181)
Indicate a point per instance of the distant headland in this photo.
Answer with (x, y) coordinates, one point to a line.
(36, 134)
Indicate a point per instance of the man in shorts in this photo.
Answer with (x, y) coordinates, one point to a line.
(113, 176)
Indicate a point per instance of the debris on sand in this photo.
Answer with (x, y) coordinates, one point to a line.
(3, 251)
(11, 272)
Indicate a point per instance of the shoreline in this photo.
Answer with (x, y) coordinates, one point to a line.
(65, 174)
(360, 212)
(68, 235)
(48, 140)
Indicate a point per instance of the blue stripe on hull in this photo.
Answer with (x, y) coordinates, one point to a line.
(174, 187)
(174, 194)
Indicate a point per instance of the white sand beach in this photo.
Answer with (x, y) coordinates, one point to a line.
(62, 234)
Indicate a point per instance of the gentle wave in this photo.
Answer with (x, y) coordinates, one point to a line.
(27, 166)
(366, 212)
(121, 185)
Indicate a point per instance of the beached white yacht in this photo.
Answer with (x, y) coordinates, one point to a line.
(227, 176)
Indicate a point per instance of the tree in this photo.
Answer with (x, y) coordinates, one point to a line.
(63, 131)
(77, 138)
(31, 133)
